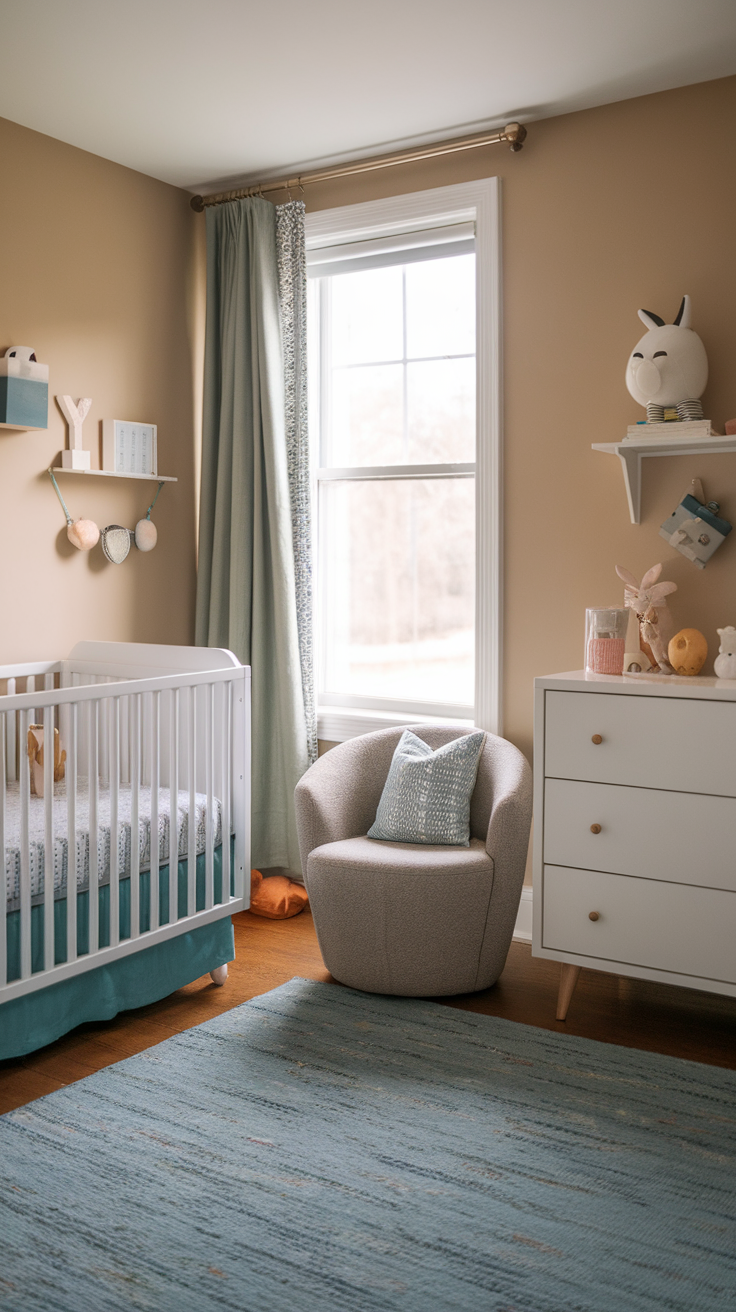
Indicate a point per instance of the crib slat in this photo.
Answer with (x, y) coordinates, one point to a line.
(3, 778)
(192, 819)
(155, 780)
(70, 774)
(103, 729)
(112, 715)
(209, 751)
(93, 766)
(135, 800)
(48, 837)
(227, 786)
(174, 805)
(11, 774)
(25, 854)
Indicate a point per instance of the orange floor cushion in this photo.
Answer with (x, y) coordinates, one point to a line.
(277, 897)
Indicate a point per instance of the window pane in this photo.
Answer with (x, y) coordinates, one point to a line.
(441, 410)
(367, 316)
(367, 422)
(440, 307)
(397, 588)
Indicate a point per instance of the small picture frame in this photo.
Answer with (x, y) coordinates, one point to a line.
(129, 447)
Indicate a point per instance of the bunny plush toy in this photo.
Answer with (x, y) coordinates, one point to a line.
(647, 600)
(668, 368)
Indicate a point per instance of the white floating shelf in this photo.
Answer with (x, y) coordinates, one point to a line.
(631, 454)
(111, 473)
(26, 428)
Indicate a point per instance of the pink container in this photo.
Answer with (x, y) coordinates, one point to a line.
(605, 640)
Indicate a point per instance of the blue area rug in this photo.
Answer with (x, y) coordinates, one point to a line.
(319, 1149)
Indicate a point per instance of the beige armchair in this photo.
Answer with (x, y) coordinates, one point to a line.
(405, 918)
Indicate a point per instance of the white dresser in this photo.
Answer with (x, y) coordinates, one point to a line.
(635, 828)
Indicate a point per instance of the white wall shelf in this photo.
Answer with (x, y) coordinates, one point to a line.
(25, 428)
(111, 473)
(631, 454)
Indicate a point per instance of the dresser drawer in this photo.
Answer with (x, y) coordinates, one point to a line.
(688, 745)
(682, 837)
(641, 922)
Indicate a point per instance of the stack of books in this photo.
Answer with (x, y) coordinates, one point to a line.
(670, 429)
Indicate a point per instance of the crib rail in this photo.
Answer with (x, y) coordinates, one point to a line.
(137, 751)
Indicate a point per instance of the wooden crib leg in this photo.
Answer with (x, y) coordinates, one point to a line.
(218, 975)
(568, 980)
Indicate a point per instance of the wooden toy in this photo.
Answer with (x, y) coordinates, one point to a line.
(688, 651)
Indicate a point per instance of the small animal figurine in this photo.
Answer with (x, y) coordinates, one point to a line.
(725, 664)
(688, 651)
(647, 600)
(35, 756)
(668, 368)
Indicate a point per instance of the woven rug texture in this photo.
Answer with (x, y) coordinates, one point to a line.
(323, 1150)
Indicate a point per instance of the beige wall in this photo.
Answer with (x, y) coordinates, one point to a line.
(97, 274)
(604, 211)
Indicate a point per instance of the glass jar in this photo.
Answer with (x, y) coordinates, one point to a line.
(605, 640)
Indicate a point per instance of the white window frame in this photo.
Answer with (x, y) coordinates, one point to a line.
(478, 202)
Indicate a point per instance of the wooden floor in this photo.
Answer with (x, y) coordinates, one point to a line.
(635, 1013)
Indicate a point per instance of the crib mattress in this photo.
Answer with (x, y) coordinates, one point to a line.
(36, 826)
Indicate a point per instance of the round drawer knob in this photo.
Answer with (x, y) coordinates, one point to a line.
(596, 739)
(595, 829)
(593, 915)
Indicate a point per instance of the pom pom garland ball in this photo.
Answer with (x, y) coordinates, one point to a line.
(146, 535)
(83, 533)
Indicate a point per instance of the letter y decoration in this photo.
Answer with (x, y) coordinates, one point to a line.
(76, 457)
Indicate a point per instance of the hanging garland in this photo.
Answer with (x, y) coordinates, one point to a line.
(116, 540)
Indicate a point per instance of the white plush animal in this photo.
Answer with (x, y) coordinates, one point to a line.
(725, 665)
(668, 367)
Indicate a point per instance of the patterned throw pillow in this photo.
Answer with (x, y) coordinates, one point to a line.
(426, 797)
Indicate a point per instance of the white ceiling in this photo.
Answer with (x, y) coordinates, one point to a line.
(200, 92)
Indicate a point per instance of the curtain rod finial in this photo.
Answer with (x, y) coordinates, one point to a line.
(197, 204)
(515, 133)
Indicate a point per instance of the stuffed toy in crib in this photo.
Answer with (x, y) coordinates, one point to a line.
(35, 756)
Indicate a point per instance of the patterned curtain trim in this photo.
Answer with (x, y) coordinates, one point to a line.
(292, 274)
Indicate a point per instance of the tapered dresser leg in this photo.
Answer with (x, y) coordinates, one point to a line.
(219, 975)
(568, 980)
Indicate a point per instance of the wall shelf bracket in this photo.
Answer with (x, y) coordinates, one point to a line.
(632, 453)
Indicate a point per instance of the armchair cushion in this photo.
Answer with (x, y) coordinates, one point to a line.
(426, 797)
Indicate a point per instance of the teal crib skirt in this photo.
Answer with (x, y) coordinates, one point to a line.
(35, 1019)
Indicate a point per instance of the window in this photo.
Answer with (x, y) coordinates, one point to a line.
(399, 412)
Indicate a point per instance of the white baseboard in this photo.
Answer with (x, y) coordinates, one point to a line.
(523, 926)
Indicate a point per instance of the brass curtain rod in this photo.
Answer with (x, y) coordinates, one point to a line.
(514, 133)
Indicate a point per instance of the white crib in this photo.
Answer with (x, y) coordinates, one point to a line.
(150, 823)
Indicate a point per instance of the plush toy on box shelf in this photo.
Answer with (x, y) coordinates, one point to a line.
(668, 368)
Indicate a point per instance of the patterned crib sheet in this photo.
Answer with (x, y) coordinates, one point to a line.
(36, 825)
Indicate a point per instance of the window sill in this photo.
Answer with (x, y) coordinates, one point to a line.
(337, 724)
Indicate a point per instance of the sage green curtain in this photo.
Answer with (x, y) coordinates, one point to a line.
(245, 590)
